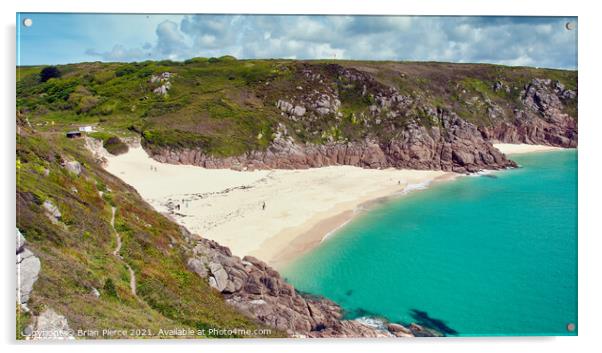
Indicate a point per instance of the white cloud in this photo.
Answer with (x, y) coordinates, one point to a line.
(542, 42)
(118, 53)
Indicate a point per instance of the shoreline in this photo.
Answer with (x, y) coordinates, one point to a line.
(322, 229)
(274, 215)
(301, 206)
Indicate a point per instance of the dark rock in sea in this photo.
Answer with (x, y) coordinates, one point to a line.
(427, 324)
(491, 176)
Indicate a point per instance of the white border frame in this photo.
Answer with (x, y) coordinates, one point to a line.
(589, 170)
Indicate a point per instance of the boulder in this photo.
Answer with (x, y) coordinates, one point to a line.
(399, 330)
(219, 277)
(197, 266)
(161, 90)
(284, 106)
(74, 167)
(51, 210)
(298, 111)
(463, 157)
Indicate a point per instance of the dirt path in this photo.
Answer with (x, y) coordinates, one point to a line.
(118, 249)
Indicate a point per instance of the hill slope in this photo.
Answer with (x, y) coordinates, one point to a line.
(64, 203)
(223, 112)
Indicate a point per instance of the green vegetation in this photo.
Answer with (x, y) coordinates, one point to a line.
(23, 319)
(109, 288)
(221, 105)
(76, 252)
(110, 142)
(115, 146)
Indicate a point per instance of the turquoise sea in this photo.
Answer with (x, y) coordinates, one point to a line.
(481, 255)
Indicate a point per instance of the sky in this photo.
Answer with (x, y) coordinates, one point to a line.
(515, 41)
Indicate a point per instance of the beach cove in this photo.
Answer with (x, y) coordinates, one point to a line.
(275, 215)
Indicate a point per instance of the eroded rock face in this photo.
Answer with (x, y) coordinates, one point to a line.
(398, 131)
(164, 82)
(258, 291)
(542, 121)
(457, 146)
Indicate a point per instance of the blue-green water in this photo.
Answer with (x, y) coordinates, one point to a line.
(485, 255)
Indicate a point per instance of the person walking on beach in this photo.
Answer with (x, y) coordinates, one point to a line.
(263, 206)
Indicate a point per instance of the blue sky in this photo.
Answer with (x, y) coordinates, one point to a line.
(69, 38)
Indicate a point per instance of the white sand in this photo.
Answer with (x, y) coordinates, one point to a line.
(509, 148)
(301, 206)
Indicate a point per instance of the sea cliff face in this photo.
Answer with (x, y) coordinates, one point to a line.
(458, 146)
(542, 121)
(397, 130)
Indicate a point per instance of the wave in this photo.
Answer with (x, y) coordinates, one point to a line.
(327, 235)
(417, 186)
(373, 322)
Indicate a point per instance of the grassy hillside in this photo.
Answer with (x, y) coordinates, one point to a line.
(228, 106)
(76, 250)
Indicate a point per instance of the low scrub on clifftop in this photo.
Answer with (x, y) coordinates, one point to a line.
(227, 107)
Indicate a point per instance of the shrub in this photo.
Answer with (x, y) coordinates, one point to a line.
(104, 76)
(86, 104)
(196, 60)
(227, 58)
(49, 72)
(110, 289)
(126, 70)
(115, 146)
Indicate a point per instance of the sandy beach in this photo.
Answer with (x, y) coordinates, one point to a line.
(509, 148)
(274, 215)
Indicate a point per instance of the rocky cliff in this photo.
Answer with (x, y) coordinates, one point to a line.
(542, 120)
(355, 119)
(458, 146)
